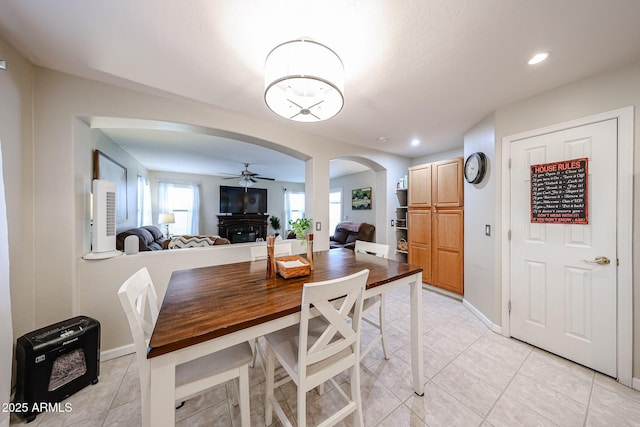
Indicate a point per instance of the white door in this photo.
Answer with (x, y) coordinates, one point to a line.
(561, 300)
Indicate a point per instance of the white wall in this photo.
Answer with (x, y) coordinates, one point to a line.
(479, 204)
(604, 92)
(17, 285)
(352, 182)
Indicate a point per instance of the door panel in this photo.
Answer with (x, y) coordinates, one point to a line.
(558, 301)
(448, 175)
(420, 241)
(420, 186)
(448, 230)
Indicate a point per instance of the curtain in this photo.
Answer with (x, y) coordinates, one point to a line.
(195, 210)
(144, 202)
(164, 205)
(183, 200)
(6, 329)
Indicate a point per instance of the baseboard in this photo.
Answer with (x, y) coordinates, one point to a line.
(484, 319)
(117, 352)
(442, 291)
(636, 384)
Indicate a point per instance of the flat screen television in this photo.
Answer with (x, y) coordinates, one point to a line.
(238, 200)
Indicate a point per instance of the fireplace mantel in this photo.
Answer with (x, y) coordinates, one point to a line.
(242, 227)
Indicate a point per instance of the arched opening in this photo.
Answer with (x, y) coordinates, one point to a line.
(358, 193)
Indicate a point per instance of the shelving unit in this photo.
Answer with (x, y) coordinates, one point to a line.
(401, 224)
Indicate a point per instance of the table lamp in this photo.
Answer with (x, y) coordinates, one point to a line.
(167, 218)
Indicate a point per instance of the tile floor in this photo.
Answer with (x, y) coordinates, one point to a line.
(472, 377)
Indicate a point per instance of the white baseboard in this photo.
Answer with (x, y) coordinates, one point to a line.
(635, 384)
(484, 319)
(442, 291)
(117, 352)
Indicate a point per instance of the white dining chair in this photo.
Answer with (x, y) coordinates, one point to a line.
(137, 294)
(257, 253)
(279, 249)
(321, 346)
(376, 301)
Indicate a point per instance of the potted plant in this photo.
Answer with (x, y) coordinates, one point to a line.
(275, 224)
(301, 227)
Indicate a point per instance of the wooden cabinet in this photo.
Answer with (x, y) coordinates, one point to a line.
(420, 241)
(436, 223)
(447, 183)
(448, 242)
(420, 186)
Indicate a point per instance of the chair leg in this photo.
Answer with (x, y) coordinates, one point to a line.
(355, 394)
(302, 405)
(254, 349)
(269, 374)
(245, 413)
(382, 328)
(234, 392)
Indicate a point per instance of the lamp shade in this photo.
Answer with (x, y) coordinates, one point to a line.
(166, 218)
(304, 81)
(246, 183)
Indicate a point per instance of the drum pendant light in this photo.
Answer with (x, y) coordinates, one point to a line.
(304, 81)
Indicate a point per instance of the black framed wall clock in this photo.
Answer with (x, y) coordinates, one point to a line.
(475, 168)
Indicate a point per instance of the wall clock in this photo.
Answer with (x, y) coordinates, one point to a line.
(475, 167)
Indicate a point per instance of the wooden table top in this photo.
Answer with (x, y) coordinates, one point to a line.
(205, 303)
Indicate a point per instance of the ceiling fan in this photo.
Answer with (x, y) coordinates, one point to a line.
(248, 178)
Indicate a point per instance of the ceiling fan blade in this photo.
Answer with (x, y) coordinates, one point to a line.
(262, 177)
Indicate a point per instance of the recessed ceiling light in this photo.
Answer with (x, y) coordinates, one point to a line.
(538, 58)
(383, 139)
(415, 142)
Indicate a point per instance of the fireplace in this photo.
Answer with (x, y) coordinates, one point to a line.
(240, 228)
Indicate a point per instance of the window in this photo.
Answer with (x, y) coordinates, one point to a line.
(183, 202)
(335, 208)
(293, 207)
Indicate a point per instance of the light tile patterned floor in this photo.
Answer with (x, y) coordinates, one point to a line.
(472, 377)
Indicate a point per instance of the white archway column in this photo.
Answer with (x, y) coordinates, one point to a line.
(316, 188)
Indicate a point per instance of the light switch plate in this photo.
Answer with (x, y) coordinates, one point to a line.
(318, 226)
(487, 230)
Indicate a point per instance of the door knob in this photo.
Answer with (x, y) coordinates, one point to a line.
(600, 260)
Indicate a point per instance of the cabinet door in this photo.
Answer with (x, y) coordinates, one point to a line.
(447, 183)
(420, 241)
(448, 245)
(420, 186)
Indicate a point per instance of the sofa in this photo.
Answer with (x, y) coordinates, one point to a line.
(150, 238)
(347, 232)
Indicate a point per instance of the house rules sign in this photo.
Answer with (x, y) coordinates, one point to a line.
(559, 192)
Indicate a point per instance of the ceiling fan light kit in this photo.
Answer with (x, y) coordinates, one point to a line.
(304, 81)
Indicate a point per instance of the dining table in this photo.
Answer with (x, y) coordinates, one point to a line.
(207, 309)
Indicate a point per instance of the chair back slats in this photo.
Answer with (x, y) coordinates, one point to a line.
(280, 249)
(137, 294)
(338, 335)
(377, 249)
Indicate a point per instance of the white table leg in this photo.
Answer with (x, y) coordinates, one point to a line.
(417, 362)
(162, 408)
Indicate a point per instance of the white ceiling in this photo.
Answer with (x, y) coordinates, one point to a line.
(425, 69)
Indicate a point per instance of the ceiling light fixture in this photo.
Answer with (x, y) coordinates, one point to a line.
(246, 182)
(304, 81)
(415, 142)
(538, 58)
